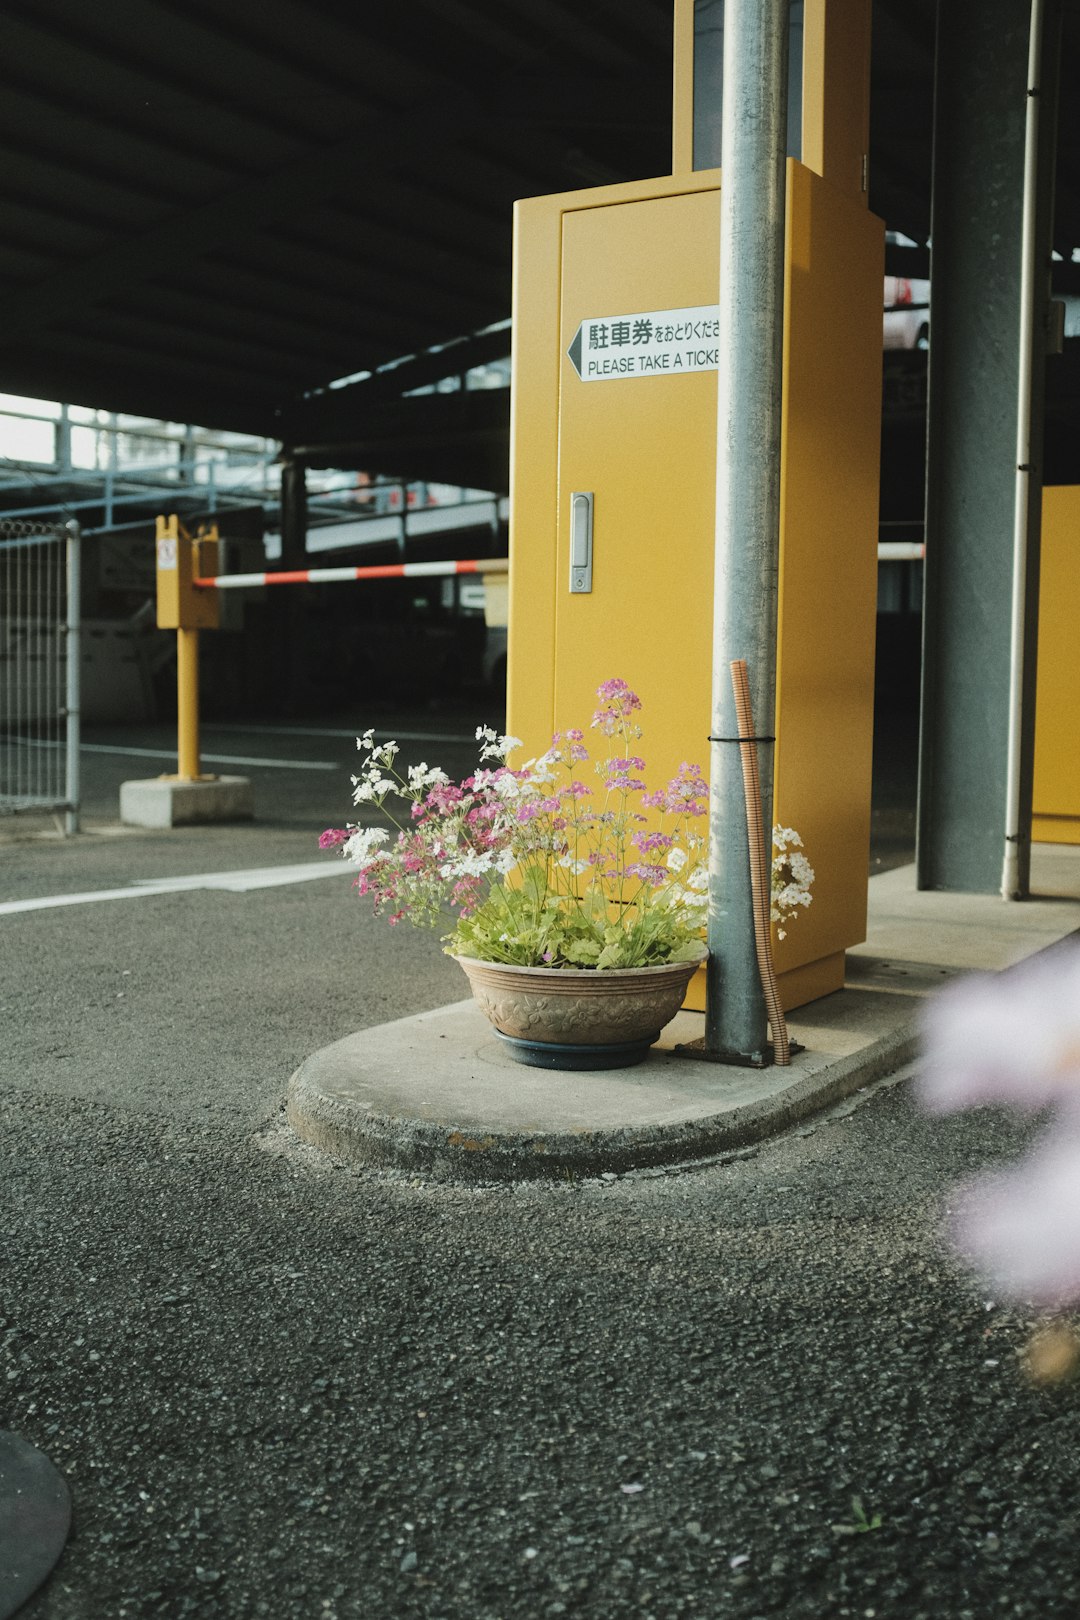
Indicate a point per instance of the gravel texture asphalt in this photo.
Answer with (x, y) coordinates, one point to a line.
(280, 1387)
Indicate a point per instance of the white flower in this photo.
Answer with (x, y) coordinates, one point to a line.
(677, 858)
(801, 871)
(469, 863)
(495, 747)
(373, 787)
(360, 848)
(421, 777)
(699, 878)
(367, 741)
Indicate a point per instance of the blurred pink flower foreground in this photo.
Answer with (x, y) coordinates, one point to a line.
(1014, 1039)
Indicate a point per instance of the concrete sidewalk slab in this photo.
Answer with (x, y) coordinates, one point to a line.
(437, 1094)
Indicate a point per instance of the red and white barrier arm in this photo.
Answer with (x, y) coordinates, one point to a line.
(327, 576)
(897, 551)
(901, 551)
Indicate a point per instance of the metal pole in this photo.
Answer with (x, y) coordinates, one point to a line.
(73, 702)
(1014, 872)
(754, 142)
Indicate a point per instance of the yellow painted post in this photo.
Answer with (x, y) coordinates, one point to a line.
(836, 93)
(682, 98)
(187, 705)
(183, 608)
(835, 68)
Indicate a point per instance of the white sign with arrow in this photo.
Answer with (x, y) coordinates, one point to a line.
(651, 343)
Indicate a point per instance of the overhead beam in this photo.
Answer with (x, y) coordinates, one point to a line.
(289, 191)
(338, 404)
(136, 390)
(444, 416)
(247, 206)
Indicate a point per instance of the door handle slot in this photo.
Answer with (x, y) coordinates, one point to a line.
(581, 542)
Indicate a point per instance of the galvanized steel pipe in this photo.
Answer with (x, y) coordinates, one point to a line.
(752, 209)
(1017, 816)
(73, 679)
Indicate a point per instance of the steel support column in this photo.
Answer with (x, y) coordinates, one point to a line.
(981, 99)
(752, 209)
(294, 514)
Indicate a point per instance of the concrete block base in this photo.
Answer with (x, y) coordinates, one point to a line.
(169, 801)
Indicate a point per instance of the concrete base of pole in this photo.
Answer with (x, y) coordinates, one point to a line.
(172, 801)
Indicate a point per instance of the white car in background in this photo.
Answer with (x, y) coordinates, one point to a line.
(907, 313)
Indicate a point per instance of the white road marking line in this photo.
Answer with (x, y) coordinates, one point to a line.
(217, 759)
(257, 877)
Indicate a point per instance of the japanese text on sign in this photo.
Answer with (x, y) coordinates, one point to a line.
(648, 344)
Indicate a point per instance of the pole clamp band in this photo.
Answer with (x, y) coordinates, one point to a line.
(741, 739)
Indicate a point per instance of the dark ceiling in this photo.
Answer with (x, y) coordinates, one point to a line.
(214, 208)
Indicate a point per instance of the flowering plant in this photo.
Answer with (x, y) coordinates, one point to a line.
(544, 868)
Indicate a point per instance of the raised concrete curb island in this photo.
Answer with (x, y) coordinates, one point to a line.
(436, 1095)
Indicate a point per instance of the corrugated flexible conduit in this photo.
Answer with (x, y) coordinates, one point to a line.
(760, 864)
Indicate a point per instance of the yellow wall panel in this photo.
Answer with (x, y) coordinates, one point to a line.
(1056, 818)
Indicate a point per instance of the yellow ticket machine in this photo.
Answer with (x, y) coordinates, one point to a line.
(614, 399)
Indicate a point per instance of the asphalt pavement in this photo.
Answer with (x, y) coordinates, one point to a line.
(280, 1386)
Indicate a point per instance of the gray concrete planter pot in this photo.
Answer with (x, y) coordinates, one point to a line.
(578, 1018)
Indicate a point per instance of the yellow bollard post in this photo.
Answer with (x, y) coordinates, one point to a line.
(187, 705)
(172, 801)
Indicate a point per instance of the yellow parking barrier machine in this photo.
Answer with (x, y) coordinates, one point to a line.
(613, 441)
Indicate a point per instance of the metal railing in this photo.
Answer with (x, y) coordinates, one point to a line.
(39, 669)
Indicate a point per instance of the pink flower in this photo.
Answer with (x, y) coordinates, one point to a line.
(1006, 1038)
(617, 692)
(1022, 1226)
(686, 794)
(332, 837)
(532, 808)
(619, 702)
(655, 876)
(1014, 1038)
(443, 796)
(466, 895)
(652, 843)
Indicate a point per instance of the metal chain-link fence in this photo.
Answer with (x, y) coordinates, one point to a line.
(39, 668)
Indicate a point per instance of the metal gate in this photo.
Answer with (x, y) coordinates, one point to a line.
(39, 669)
